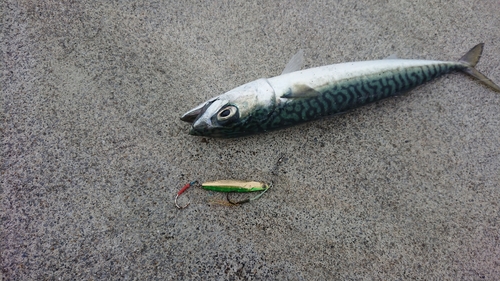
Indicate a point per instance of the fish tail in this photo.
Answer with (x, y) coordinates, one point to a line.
(469, 61)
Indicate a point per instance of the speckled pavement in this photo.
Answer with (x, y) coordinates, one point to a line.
(93, 151)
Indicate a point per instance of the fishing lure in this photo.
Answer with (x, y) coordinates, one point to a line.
(228, 186)
(299, 96)
(237, 186)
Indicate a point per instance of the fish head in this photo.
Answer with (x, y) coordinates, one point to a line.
(238, 112)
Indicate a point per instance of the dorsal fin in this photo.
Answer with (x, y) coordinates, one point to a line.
(295, 63)
(301, 91)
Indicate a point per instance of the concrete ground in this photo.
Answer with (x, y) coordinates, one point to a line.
(93, 151)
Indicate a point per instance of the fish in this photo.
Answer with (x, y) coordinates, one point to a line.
(298, 96)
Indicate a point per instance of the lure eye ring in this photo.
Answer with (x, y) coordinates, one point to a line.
(227, 113)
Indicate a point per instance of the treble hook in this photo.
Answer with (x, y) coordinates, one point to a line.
(249, 199)
(184, 188)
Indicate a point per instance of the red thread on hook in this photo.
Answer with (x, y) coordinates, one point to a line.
(184, 188)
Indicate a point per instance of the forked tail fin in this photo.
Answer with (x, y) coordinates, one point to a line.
(470, 59)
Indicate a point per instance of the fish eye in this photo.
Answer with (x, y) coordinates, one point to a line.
(227, 113)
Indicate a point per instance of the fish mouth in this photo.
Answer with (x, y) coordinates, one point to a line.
(201, 130)
(214, 133)
(195, 132)
(200, 124)
(192, 115)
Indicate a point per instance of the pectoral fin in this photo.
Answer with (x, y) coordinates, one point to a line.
(301, 91)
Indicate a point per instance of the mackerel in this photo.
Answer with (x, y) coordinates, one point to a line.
(297, 96)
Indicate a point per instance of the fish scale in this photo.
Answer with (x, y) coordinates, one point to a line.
(299, 96)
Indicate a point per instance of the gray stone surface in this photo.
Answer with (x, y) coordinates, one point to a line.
(93, 150)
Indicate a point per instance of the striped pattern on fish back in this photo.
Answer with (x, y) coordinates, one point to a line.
(350, 93)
